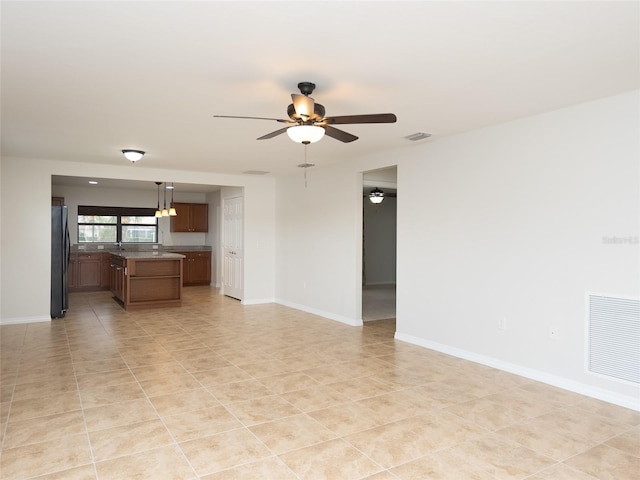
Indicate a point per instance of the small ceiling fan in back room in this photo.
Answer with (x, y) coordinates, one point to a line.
(307, 122)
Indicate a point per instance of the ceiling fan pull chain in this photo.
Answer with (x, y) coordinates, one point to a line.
(306, 163)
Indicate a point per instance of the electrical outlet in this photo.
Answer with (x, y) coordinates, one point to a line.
(154, 247)
(553, 333)
(502, 323)
(100, 247)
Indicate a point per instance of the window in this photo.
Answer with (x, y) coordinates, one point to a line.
(116, 224)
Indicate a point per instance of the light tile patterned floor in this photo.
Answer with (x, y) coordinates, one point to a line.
(216, 390)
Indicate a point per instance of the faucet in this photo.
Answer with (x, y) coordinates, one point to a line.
(119, 245)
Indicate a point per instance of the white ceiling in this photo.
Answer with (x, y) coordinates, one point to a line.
(82, 80)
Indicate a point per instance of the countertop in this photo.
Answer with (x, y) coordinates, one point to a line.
(146, 255)
(138, 248)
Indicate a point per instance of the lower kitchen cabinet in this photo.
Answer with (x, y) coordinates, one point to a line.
(88, 271)
(105, 271)
(117, 274)
(196, 268)
(72, 271)
(101, 271)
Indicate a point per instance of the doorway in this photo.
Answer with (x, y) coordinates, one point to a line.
(379, 245)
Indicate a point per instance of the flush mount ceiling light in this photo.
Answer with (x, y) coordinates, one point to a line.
(305, 133)
(133, 155)
(376, 195)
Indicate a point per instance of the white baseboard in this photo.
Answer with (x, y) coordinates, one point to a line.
(331, 316)
(560, 382)
(19, 320)
(257, 301)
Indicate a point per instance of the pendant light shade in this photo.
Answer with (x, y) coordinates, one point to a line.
(305, 133)
(172, 210)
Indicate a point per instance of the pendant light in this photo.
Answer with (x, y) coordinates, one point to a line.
(158, 212)
(165, 212)
(172, 210)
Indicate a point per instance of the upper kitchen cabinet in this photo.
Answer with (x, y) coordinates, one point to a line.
(192, 217)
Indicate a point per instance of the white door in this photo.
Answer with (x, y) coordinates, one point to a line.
(232, 248)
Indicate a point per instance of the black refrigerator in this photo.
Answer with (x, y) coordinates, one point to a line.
(60, 249)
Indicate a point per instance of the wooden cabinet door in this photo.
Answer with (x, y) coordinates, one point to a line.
(186, 267)
(105, 270)
(89, 270)
(72, 272)
(200, 268)
(121, 282)
(112, 278)
(199, 217)
(181, 222)
(191, 217)
(117, 277)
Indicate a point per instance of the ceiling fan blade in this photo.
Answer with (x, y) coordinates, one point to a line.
(273, 134)
(372, 118)
(281, 120)
(339, 134)
(303, 105)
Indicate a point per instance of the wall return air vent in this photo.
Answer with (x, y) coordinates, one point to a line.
(613, 337)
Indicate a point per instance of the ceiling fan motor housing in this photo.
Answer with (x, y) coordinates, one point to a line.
(306, 88)
(318, 112)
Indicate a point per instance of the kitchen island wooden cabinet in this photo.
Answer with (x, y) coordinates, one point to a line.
(147, 279)
(116, 277)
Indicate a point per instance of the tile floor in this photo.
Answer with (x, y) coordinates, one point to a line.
(215, 390)
(378, 302)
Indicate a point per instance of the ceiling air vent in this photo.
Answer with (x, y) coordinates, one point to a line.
(255, 172)
(414, 137)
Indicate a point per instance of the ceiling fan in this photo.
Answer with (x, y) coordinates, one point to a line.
(377, 195)
(307, 122)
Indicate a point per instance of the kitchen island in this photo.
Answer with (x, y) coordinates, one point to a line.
(146, 279)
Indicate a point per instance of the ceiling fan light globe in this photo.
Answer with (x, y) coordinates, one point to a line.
(376, 196)
(305, 133)
(133, 155)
